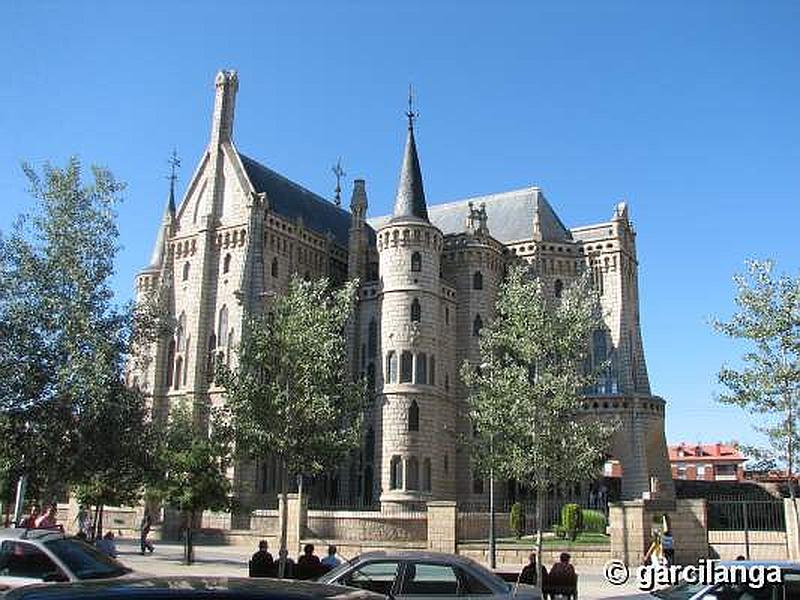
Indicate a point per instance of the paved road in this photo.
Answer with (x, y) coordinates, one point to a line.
(231, 561)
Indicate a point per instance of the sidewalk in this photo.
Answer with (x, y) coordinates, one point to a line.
(231, 561)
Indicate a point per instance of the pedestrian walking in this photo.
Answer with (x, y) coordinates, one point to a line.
(83, 520)
(144, 531)
(667, 543)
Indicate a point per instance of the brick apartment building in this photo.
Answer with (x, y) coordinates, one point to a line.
(707, 462)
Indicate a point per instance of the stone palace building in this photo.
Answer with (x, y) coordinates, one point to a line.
(429, 277)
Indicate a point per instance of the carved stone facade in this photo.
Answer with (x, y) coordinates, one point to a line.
(429, 282)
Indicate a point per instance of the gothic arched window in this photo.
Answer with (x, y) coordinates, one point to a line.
(180, 333)
(275, 267)
(222, 329)
(412, 474)
(371, 377)
(186, 271)
(600, 348)
(558, 287)
(422, 369)
(426, 475)
(372, 339)
(226, 263)
(178, 372)
(396, 473)
(406, 367)
(391, 367)
(477, 325)
(413, 416)
(416, 311)
(170, 363)
(210, 364)
(416, 262)
(369, 446)
(477, 280)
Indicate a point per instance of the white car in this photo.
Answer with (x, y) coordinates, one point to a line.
(37, 555)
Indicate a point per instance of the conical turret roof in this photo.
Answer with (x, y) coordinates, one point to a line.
(157, 256)
(410, 199)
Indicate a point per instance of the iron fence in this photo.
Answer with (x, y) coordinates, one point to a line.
(474, 517)
(746, 515)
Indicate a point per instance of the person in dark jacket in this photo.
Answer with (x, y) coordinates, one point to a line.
(261, 563)
(530, 574)
(308, 565)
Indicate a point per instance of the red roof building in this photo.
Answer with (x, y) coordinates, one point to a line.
(708, 462)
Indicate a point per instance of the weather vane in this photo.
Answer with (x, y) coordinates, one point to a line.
(411, 114)
(338, 171)
(174, 163)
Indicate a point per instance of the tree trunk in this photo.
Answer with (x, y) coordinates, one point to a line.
(188, 547)
(283, 553)
(98, 523)
(540, 499)
(790, 458)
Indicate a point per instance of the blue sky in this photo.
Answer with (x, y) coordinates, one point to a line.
(687, 110)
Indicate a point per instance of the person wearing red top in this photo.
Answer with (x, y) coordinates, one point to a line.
(48, 519)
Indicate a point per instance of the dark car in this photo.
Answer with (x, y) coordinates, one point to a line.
(787, 589)
(186, 587)
(426, 575)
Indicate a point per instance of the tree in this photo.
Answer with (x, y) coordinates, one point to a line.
(291, 395)
(61, 338)
(525, 393)
(118, 424)
(194, 457)
(767, 319)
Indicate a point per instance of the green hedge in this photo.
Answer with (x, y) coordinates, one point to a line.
(594, 520)
(572, 520)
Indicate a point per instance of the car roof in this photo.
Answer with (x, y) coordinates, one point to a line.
(783, 564)
(21, 533)
(417, 555)
(189, 586)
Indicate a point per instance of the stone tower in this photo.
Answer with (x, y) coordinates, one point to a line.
(416, 458)
(473, 263)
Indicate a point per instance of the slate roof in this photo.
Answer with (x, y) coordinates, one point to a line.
(510, 216)
(291, 200)
(410, 198)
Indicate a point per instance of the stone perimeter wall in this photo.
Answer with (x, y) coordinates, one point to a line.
(441, 527)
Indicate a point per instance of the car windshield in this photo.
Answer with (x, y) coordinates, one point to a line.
(682, 591)
(85, 561)
(334, 573)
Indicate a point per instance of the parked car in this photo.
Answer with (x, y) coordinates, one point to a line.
(425, 575)
(190, 587)
(37, 555)
(788, 589)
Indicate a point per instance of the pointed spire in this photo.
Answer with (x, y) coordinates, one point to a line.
(358, 201)
(174, 163)
(157, 257)
(410, 199)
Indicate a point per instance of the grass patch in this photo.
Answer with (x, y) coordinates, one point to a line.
(585, 538)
